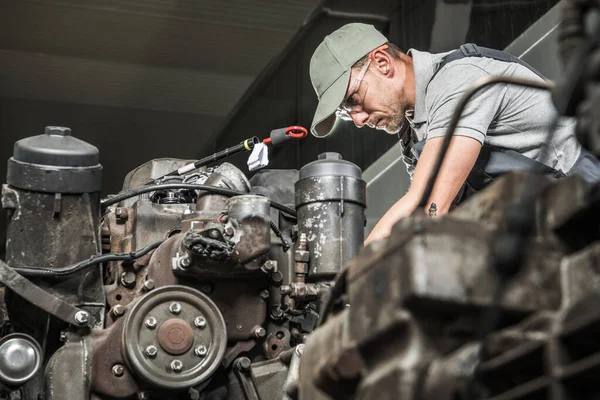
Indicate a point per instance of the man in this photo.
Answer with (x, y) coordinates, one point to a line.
(359, 76)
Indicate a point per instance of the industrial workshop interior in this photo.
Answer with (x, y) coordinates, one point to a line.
(300, 199)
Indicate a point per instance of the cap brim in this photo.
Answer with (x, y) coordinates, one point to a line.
(330, 100)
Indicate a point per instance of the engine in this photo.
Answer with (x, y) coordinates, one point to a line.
(201, 285)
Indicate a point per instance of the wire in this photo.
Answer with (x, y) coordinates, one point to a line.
(214, 189)
(489, 80)
(29, 271)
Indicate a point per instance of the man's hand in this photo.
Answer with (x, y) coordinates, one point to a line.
(459, 161)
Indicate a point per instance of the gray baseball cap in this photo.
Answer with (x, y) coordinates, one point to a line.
(330, 68)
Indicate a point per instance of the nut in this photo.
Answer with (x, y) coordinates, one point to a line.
(276, 278)
(176, 366)
(260, 332)
(229, 230)
(121, 214)
(301, 256)
(82, 317)
(175, 308)
(151, 323)
(264, 294)
(128, 279)
(151, 351)
(200, 322)
(285, 290)
(118, 310)
(148, 285)
(201, 351)
(118, 370)
(277, 313)
(270, 266)
(184, 262)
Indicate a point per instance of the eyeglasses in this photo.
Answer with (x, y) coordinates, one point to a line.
(354, 101)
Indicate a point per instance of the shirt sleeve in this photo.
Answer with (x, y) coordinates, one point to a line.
(445, 92)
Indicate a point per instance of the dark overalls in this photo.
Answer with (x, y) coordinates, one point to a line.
(494, 161)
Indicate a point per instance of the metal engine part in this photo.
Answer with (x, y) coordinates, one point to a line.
(20, 359)
(174, 338)
(331, 201)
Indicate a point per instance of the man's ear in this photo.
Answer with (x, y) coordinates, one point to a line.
(383, 62)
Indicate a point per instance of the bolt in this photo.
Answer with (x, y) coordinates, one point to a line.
(149, 285)
(151, 351)
(243, 363)
(260, 332)
(277, 313)
(63, 336)
(270, 266)
(176, 366)
(264, 294)
(200, 322)
(128, 279)
(201, 351)
(143, 396)
(118, 370)
(151, 323)
(214, 234)
(118, 311)
(175, 308)
(121, 214)
(184, 262)
(239, 328)
(277, 278)
(82, 317)
(229, 230)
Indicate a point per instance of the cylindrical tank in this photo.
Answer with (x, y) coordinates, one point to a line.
(53, 200)
(330, 201)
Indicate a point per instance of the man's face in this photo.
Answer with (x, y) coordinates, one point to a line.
(380, 100)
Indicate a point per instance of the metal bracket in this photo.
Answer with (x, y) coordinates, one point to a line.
(42, 299)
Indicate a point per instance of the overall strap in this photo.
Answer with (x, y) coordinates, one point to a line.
(472, 50)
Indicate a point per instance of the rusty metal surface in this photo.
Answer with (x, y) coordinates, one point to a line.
(159, 368)
(74, 382)
(175, 336)
(106, 353)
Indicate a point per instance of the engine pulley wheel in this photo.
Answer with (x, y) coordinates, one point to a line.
(174, 337)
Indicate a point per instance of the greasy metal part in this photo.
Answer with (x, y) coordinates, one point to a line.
(226, 176)
(250, 218)
(105, 354)
(241, 368)
(21, 358)
(41, 298)
(68, 372)
(291, 383)
(330, 201)
(158, 371)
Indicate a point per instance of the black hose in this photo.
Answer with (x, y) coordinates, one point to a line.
(456, 117)
(44, 272)
(214, 189)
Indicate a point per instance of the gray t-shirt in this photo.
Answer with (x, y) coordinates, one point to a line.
(506, 116)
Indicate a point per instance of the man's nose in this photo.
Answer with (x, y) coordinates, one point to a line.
(360, 118)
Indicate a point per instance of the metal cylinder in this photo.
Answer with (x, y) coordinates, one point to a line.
(52, 198)
(331, 201)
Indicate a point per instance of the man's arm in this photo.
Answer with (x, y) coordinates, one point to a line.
(459, 161)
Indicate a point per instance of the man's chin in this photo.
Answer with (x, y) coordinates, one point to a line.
(389, 130)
